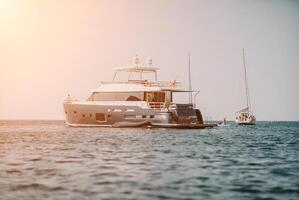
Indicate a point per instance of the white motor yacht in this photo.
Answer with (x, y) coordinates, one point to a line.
(134, 103)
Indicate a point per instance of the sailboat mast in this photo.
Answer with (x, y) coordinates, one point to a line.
(189, 77)
(246, 81)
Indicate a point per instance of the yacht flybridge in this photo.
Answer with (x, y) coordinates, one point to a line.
(134, 103)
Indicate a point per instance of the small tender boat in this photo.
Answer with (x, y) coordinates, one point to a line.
(223, 123)
(245, 116)
(135, 103)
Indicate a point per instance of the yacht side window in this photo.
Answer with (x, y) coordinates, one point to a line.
(116, 96)
(133, 98)
(101, 117)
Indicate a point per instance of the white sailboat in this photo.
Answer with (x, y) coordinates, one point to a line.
(245, 116)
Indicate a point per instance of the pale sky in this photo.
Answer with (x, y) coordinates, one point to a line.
(49, 48)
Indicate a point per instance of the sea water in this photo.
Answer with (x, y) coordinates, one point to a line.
(47, 160)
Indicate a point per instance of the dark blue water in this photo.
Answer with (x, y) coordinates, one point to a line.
(46, 160)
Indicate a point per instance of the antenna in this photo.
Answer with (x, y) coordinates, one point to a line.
(246, 81)
(195, 98)
(189, 77)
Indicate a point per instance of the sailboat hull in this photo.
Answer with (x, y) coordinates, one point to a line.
(249, 121)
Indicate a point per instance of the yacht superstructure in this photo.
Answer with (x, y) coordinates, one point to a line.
(134, 103)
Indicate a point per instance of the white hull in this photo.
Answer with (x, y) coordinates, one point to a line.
(246, 121)
(85, 114)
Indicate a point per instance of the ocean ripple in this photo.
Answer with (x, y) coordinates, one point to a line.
(45, 159)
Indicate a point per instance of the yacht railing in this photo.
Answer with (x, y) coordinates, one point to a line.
(165, 84)
(147, 83)
(157, 105)
(169, 106)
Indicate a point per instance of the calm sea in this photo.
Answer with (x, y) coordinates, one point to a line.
(46, 160)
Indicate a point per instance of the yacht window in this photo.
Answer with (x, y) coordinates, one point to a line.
(129, 110)
(75, 112)
(155, 96)
(116, 96)
(100, 117)
(130, 116)
(83, 115)
(133, 98)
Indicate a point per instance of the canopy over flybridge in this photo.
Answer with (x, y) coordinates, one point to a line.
(147, 67)
(137, 69)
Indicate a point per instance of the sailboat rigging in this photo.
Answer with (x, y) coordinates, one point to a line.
(245, 115)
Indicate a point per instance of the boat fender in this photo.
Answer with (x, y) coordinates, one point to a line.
(147, 83)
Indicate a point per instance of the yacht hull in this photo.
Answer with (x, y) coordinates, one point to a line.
(119, 116)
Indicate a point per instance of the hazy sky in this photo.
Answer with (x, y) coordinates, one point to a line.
(49, 48)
